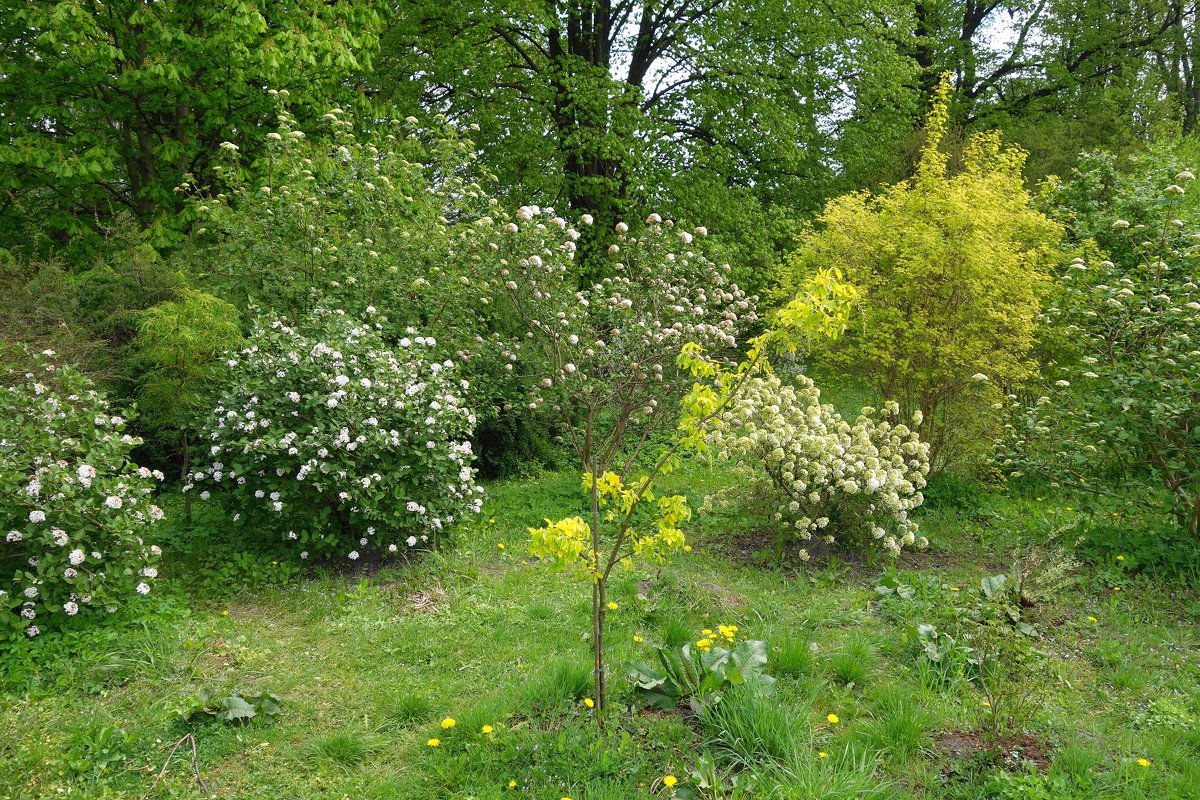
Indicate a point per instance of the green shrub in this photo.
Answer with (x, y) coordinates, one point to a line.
(1119, 413)
(75, 508)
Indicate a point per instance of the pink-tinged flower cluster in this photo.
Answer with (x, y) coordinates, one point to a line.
(75, 510)
(335, 444)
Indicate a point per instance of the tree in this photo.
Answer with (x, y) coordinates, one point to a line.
(721, 109)
(109, 105)
(951, 268)
(611, 364)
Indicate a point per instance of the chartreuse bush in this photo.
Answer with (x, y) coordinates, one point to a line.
(74, 508)
(950, 270)
(334, 444)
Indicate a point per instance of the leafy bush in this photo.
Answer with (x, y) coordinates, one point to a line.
(177, 356)
(333, 443)
(1121, 417)
(824, 475)
(949, 270)
(75, 508)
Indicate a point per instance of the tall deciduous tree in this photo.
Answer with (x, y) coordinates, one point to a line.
(108, 105)
(600, 105)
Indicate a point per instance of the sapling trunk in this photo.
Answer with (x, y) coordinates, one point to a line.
(187, 468)
(599, 599)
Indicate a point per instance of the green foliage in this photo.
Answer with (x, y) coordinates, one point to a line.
(853, 663)
(237, 708)
(749, 727)
(1121, 417)
(111, 110)
(792, 656)
(950, 269)
(700, 673)
(179, 365)
(331, 443)
(75, 508)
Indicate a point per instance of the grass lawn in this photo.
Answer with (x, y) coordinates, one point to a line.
(367, 667)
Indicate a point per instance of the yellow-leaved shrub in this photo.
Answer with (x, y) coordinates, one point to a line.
(949, 269)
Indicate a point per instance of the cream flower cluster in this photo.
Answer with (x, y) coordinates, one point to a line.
(825, 476)
(621, 333)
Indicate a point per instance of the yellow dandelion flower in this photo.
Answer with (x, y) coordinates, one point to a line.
(822, 754)
(613, 606)
(1116, 588)
(500, 545)
(706, 632)
(834, 719)
(637, 638)
(1143, 762)
(589, 702)
(448, 723)
(512, 784)
(434, 742)
(669, 781)
(687, 548)
(1120, 558)
(487, 729)
(1092, 619)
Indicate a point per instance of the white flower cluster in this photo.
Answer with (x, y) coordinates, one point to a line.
(74, 509)
(622, 333)
(333, 443)
(823, 475)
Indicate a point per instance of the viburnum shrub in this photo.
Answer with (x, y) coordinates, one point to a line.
(389, 214)
(611, 361)
(328, 440)
(1120, 415)
(75, 509)
(825, 476)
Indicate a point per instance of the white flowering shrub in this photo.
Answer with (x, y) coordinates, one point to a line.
(330, 441)
(825, 476)
(1117, 416)
(75, 509)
